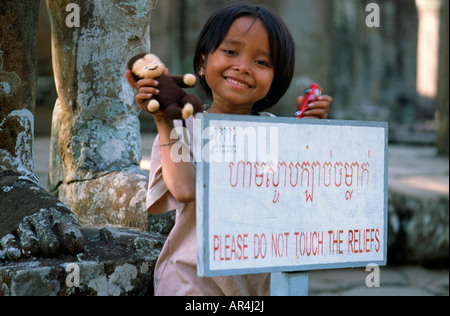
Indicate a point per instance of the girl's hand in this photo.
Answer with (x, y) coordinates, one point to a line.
(318, 109)
(147, 88)
(130, 79)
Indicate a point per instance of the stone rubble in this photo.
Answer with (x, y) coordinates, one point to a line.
(116, 262)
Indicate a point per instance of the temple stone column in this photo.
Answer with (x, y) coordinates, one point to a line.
(443, 97)
(32, 222)
(18, 61)
(428, 55)
(96, 144)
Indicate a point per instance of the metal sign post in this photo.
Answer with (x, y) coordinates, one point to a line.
(289, 284)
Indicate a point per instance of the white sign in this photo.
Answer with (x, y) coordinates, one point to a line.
(282, 194)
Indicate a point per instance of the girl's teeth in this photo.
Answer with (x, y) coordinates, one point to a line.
(237, 83)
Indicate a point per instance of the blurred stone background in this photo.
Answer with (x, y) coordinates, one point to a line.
(397, 72)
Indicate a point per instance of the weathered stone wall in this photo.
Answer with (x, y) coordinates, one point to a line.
(370, 72)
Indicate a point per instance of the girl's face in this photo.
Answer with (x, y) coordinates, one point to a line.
(240, 72)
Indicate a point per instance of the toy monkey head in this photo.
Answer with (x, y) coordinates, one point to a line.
(146, 66)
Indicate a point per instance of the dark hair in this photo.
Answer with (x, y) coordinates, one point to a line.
(280, 40)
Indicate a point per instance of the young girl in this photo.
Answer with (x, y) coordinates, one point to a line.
(245, 61)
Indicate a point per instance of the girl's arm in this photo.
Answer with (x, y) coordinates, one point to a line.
(179, 177)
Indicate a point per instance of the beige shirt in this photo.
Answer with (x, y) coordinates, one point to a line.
(176, 268)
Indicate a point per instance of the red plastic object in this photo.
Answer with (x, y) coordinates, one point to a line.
(311, 95)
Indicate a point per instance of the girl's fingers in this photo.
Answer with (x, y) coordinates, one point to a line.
(319, 109)
(326, 98)
(300, 100)
(316, 114)
(149, 90)
(147, 83)
(130, 79)
(319, 105)
(143, 83)
(142, 100)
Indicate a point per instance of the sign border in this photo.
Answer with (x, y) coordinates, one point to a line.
(203, 121)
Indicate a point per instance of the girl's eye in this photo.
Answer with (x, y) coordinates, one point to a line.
(263, 63)
(230, 52)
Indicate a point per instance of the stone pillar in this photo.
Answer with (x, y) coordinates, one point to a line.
(428, 55)
(443, 98)
(31, 221)
(373, 69)
(96, 145)
(18, 51)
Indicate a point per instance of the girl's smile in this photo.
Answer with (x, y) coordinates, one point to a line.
(240, 72)
(237, 83)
